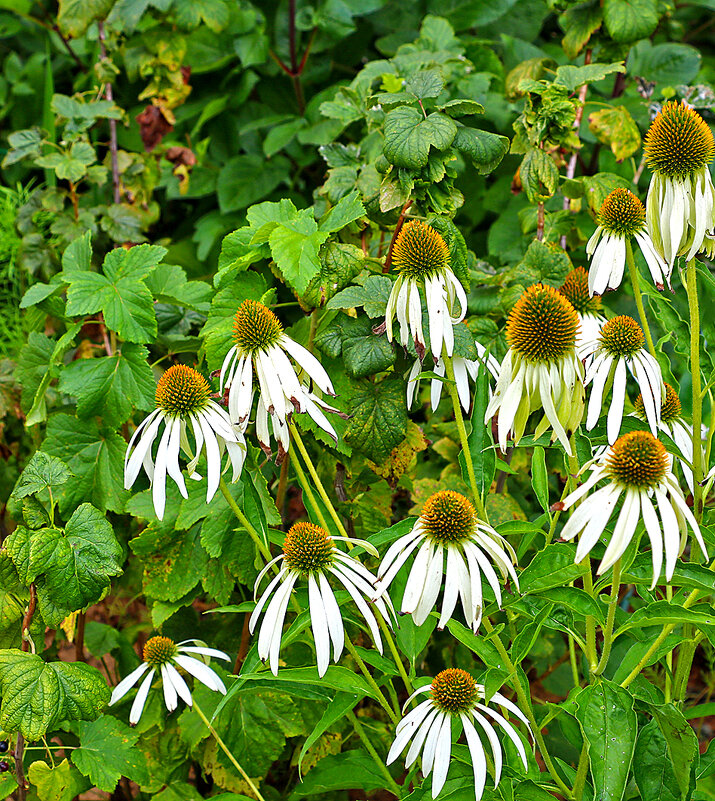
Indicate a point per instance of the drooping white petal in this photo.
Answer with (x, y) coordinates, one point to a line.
(127, 683)
(140, 699)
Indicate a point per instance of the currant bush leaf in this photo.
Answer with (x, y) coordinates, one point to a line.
(62, 782)
(379, 419)
(41, 472)
(409, 136)
(630, 20)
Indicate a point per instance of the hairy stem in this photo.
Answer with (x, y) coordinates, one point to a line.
(305, 485)
(243, 520)
(581, 773)
(384, 703)
(395, 653)
(360, 731)
(610, 619)
(635, 282)
(459, 419)
(691, 287)
(228, 753)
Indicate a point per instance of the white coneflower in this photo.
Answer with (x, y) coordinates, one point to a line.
(183, 400)
(621, 217)
(673, 424)
(309, 552)
(638, 469)
(455, 698)
(619, 349)
(588, 307)
(262, 344)
(680, 212)
(421, 257)
(464, 369)
(165, 656)
(541, 369)
(448, 529)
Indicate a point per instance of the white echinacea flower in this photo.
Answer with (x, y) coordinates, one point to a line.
(262, 344)
(448, 528)
(165, 656)
(183, 400)
(455, 698)
(541, 369)
(464, 369)
(680, 209)
(619, 350)
(588, 308)
(621, 217)
(309, 552)
(421, 257)
(638, 469)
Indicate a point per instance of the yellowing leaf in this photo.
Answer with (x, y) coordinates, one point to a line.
(615, 127)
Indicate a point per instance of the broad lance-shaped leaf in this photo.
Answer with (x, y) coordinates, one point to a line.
(609, 726)
(37, 695)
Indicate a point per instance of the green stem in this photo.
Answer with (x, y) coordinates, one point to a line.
(691, 286)
(395, 653)
(303, 481)
(581, 773)
(459, 419)
(228, 753)
(574, 662)
(610, 619)
(295, 437)
(384, 703)
(526, 708)
(243, 520)
(635, 281)
(360, 731)
(685, 662)
(669, 656)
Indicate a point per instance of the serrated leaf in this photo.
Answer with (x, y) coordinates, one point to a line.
(61, 782)
(425, 83)
(409, 136)
(347, 209)
(41, 472)
(578, 23)
(630, 20)
(75, 16)
(78, 254)
(294, 247)
(372, 296)
(572, 77)
(364, 353)
(340, 263)
(616, 127)
(108, 751)
(544, 263)
(379, 419)
(37, 695)
(484, 149)
(111, 386)
(539, 175)
(191, 13)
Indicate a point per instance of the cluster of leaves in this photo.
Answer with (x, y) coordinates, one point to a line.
(269, 151)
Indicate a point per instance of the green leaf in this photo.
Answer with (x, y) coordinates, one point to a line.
(41, 472)
(107, 751)
(552, 567)
(629, 20)
(666, 64)
(23, 144)
(527, 634)
(379, 419)
(539, 175)
(96, 458)
(351, 770)
(75, 16)
(78, 254)
(172, 566)
(363, 353)
(339, 264)
(347, 210)
(59, 783)
(409, 136)
(191, 13)
(652, 768)
(14, 597)
(543, 262)
(540, 478)
(681, 744)
(111, 386)
(663, 612)
(616, 127)
(425, 83)
(609, 726)
(37, 696)
(372, 295)
(484, 149)
(579, 22)
(337, 708)
(70, 165)
(599, 185)
(246, 179)
(294, 246)
(572, 77)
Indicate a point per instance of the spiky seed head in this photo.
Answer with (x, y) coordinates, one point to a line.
(622, 213)
(542, 325)
(622, 336)
(448, 517)
(637, 460)
(255, 327)
(182, 390)
(575, 290)
(308, 548)
(679, 142)
(158, 651)
(419, 251)
(454, 691)
(670, 407)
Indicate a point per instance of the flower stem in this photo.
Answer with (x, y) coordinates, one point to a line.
(228, 753)
(243, 520)
(581, 772)
(574, 662)
(295, 436)
(384, 703)
(360, 731)
(635, 281)
(459, 419)
(305, 484)
(395, 653)
(525, 704)
(691, 286)
(610, 618)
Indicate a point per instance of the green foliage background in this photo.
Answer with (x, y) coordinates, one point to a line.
(267, 150)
